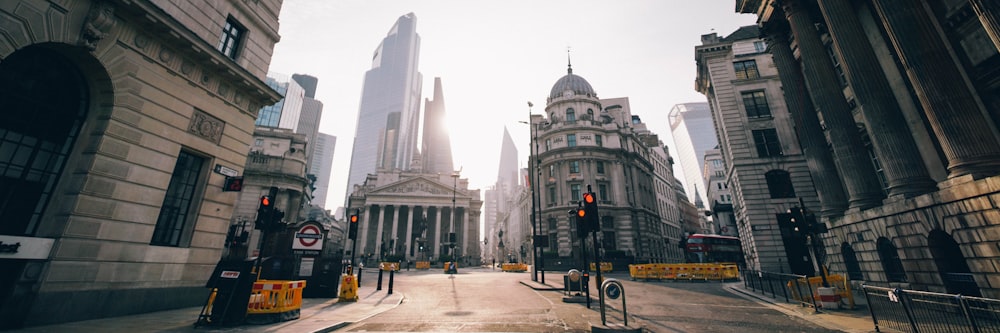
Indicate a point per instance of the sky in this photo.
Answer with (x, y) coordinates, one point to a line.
(493, 57)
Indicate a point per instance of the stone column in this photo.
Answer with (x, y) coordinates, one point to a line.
(363, 230)
(379, 233)
(395, 223)
(407, 242)
(465, 231)
(894, 145)
(437, 233)
(857, 172)
(960, 123)
(989, 14)
(829, 189)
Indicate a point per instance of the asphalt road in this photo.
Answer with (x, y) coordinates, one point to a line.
(483, 300)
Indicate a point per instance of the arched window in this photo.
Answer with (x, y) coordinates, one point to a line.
(45, 102)
(570, 115)
(851, 261)
(779, 183)
(951, 264)
(891, 263)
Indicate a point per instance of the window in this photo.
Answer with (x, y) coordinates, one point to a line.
(767, 143)
(756, 104)
(779, 183)
(574, 167)
(759, 46)
(552, 171)
(600, 167)
(258, 142)
(851, 261)
(174, 223)
(571, 140)
(552, 196)
(836, 65)
(746, 70)
(602, 192)
(232, 35)
(599, 140)
(891, 263)
(570, 116)
(574, 192)
(590, 112)
(548, 144)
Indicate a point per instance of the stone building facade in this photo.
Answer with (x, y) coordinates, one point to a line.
(766, 168)
(909, 98)
(119, 111)
(587, 141)
(402, 210)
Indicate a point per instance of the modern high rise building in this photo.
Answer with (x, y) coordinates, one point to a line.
(436, 151)
(320, 165)
(388, 117)
(694, 134)
(500, 203)
(285, 113)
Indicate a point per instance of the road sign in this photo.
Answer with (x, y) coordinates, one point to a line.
(222, 170)
(308, 237)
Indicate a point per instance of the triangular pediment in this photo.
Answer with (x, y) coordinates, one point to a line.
(416, 185)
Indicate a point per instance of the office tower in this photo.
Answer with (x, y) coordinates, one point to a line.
(507, 171)
(320, 165)
(386, 131)
(436, 151)
(285, 113)
(694, 134)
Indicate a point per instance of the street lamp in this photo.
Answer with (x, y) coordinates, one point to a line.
(533, 168)
(454, 215)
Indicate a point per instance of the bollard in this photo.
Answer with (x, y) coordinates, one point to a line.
(379, 280)
(391, 274)
(360, 270)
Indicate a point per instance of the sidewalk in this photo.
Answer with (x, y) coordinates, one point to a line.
(316, 315)
(858, 320)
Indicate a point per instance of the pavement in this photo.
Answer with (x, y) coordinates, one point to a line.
(325, 315)
(856, 320)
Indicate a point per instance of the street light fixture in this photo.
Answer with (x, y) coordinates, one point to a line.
(454, 215)
(534, 174)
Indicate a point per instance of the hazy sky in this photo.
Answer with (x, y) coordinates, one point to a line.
(495, 56)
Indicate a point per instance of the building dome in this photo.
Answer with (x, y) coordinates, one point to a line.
(572, 82)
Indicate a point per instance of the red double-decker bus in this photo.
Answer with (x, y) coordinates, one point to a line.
(704, 248)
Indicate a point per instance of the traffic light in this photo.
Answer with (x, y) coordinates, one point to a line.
(580, 216)
(352, 229)
(591, 217)
(264, 212)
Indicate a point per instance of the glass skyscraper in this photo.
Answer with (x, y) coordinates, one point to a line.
(389, 114)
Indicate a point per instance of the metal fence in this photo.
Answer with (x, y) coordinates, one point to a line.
(785, 285)
(919, 311)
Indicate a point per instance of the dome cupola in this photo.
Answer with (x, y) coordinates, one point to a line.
(571, 84)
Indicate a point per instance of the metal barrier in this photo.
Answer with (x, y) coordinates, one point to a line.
(706, 272)
(513, 267)
(272, 301)
(920, 311)
(840, 285)
(389, 266)
(774, 283)
(605, 267)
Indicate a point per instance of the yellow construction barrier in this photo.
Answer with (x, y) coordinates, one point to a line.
(348, 288)
(423, 265)
(842, 288)
(273, 301)
(605, 267)
(389, 266)
(707, 272)
(513, 267)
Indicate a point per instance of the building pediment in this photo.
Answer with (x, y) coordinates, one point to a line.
(414, 186)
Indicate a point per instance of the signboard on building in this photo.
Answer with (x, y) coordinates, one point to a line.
(308, 239)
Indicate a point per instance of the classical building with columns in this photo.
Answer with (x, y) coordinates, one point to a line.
(400, 211)
(896, 105)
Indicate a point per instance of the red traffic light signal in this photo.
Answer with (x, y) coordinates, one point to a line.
(581, 213)
(265, 202)
(588, 198)
(352, 227)
(354, 219)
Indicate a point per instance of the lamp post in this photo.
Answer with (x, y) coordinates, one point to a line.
(534, 173)
(454, 216)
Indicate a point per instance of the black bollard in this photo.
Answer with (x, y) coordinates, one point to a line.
(379, 280)
(391, 274)
(360, 269)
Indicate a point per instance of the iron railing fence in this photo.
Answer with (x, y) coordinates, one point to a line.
(920, 311)
(787, 285)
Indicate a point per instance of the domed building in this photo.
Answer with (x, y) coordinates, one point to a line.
(584, 142)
